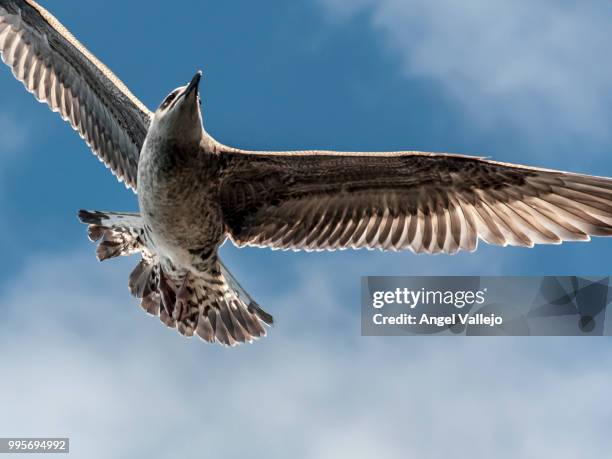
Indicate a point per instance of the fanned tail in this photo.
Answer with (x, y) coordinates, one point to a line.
(211, 305)
(226, 313)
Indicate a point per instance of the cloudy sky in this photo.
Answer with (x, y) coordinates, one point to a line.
(517, 81)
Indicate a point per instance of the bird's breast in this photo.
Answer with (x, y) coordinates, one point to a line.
(177, 194)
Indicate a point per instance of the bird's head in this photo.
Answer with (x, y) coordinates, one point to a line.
(178, 117)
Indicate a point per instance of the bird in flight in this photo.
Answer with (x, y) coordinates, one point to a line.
(194, 192)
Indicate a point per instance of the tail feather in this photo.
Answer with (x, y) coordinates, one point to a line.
(211, 305)
(217, 310)
(151, 304)
(144, 279)
(242, 295)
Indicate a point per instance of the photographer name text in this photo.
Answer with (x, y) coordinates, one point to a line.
(412, 299)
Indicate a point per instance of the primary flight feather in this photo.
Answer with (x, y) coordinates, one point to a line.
(195, 192)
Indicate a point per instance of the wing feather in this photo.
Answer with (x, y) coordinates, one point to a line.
(423, 202)
(59, 71)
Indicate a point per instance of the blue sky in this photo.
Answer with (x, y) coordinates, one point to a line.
(512, 80)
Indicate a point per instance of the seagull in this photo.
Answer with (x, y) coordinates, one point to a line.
(194, 193)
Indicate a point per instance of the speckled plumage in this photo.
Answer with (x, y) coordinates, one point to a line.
(179, 205)
(195, 192)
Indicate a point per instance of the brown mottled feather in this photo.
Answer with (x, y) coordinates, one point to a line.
(424, 202)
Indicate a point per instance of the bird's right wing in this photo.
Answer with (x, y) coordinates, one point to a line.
(60, 71)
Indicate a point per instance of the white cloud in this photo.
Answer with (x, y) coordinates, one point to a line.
(543, 67)
(80, 359)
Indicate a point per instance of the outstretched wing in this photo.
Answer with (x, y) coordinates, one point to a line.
(60, 71)
(424, 202)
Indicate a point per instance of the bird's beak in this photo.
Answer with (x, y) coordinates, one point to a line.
(194, 84)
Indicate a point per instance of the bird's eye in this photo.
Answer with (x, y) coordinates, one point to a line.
(168, 100)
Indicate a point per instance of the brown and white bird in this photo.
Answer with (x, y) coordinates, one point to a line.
(194, 192)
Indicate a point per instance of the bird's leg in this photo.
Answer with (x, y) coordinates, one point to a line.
(183, 296)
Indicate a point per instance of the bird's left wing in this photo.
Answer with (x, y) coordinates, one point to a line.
(59, 70)
(424, 202)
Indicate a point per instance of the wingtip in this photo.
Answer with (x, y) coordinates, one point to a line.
(90, 218)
